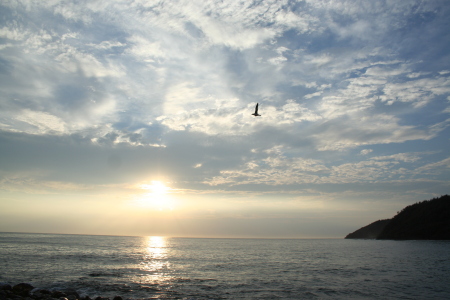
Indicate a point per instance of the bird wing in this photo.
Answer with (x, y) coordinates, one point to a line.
(256, 108)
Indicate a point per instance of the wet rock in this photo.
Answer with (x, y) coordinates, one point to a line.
(57, 294)
(3, 295)
(7, 294)
(40, 294)
(5, 287)
(25, 291)
(36, 294)
(71, 292)
(43, 291)
(85, 297)
(71, 297)
(22, 289)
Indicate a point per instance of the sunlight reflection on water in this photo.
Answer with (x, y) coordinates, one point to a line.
(180, 268)
(155, 264)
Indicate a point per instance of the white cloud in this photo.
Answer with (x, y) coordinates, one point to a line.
(145, 49)
(365, 151)
(222, 121)
(417, 74)
(104, 45)
(356, 130)
(313, 95)
(185, 97)
(272, 171)
(383, 71)
(418, 92)
(435, 167)
(73, 12)
(279, 168)
(229, 23)
(404, 157)
(321, 59)
(230, 120)
(14, 34)
(42, 122)
(447, 109)
(73, 60)
(277, 60)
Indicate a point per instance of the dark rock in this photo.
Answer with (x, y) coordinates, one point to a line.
(117, 298)
(3, 295)
(57, 294)
(43, 291)
(101, 298)
(40, 294)
(6, 294)
(5, 287)
(22, 289)
(71, 292)
(71, 297)
(85, 297)
(9, 295)
(36, 294)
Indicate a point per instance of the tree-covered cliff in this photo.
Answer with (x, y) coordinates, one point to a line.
(426, 220)
(371, 231)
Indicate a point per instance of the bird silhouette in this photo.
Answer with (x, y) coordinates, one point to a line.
(256, 111)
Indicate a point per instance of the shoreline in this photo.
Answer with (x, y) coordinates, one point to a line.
(26, 291)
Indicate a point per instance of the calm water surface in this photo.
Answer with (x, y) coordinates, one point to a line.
(182, 268)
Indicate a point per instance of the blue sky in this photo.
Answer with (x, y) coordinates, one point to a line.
(134, 118)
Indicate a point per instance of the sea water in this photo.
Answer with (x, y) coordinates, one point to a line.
(185, 268)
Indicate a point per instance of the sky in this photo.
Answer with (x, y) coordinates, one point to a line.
(134, 117)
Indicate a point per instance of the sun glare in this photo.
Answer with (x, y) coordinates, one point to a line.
(157, 187)
(155, 264)
(158, 196)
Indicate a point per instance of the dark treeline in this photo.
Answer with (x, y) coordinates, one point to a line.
(371, 231)
(425, 220)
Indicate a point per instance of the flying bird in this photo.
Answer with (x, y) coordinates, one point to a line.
(256, 111)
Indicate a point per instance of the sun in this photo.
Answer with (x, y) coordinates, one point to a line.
(156, 187)
(158, 196)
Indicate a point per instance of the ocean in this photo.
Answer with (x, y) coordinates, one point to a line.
(193, 268)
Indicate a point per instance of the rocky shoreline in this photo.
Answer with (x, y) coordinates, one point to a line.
(25, 291)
